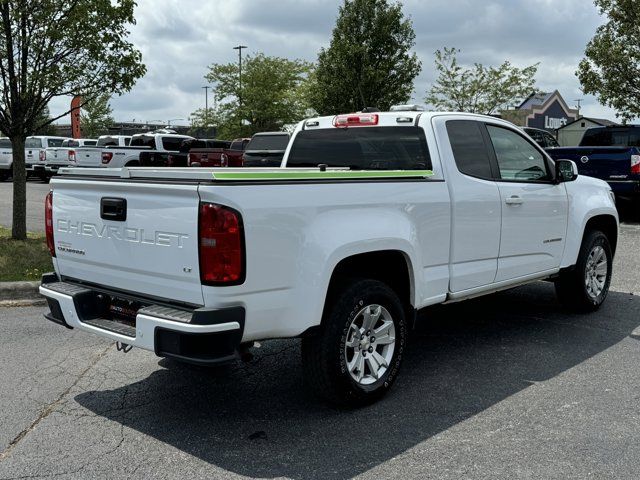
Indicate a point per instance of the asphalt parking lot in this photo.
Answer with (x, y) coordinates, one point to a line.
(36, 193)
(508, 386)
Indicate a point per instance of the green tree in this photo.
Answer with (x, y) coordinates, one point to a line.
(96, 116)
(611, 67)
(368, 62)
(478, 89)
(272, 94)
(54, 48)
(47, 127)
(203, 120)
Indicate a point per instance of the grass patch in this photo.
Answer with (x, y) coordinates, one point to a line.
(23, 260)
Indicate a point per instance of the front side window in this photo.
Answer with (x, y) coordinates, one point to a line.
(517, 159)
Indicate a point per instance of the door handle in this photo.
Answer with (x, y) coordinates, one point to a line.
(514, 200)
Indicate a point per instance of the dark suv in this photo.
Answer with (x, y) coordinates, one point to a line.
(266, 149)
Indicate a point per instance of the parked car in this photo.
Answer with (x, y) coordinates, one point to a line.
(35, 153)
(65, 154)
(542, 137)
(609, 153)
(266, 149)
(6, 159)
(219, 157)
(181, 157)
(200, 265)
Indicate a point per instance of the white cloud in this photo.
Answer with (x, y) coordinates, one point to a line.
(180, 38)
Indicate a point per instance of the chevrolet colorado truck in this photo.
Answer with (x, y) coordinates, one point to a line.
(611, 154)
(375, 217)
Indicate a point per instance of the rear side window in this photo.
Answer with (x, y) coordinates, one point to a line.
(469, 149)
(90, 143)
(268, 142)
(54, 142)
(108, 142)
(172, 143)
(33, 143)
(5, 143)
(144, 141)
(362, 148)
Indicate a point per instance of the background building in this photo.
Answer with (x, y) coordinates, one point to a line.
(571, 134)
(546, 111)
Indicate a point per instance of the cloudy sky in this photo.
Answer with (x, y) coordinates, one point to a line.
(180, 38)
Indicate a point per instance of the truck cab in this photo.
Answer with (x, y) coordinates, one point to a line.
(36, 153)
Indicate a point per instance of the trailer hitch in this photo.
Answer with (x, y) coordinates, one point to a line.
(123, 347)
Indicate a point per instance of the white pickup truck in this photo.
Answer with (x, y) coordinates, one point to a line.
(377, 216)
(6, 159)
(65, 154)
(35, 153)
(91, 156)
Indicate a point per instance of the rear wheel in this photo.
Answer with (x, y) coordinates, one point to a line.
(585, 287)
(356, 356)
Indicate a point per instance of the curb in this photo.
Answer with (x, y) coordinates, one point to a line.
(19, 291)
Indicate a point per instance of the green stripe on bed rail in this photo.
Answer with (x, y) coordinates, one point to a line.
(318, 175)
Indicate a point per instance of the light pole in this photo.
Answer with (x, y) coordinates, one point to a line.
(239, 48)
(206, 105)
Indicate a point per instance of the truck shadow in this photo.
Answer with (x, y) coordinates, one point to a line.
(257, 420)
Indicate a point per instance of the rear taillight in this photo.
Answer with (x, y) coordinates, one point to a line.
(42, 156)
(72, 156)
(355, 120)
(635, 164)
(106, 157)
(221, 241)
(48, 223)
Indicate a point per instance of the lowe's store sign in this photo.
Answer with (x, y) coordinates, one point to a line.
(551, 118)
(548, 111)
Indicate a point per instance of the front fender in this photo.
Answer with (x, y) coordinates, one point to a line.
(588, 198)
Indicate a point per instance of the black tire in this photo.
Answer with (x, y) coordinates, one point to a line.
(571, 286)
(324, 355)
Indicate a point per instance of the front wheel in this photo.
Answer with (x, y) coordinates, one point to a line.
(356, 356)
(585, 287)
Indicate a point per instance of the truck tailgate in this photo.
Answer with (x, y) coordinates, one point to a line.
(151, 249)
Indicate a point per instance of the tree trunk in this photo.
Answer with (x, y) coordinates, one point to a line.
(19, 226)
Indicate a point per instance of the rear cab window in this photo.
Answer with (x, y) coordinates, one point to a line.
(108, 142)
(54, 142)
(172, 143)
(148, 141)
(5, 143)
(33, 143)
(361, 148)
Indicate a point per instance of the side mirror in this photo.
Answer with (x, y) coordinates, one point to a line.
(566, 171)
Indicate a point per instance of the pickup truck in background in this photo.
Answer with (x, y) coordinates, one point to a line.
(611, 154)
(6, 159)
(144, 149)
(65, 154)
(35, 155)
(376, 216)
(219, 157)
(180, 158)
(266, 149)
(91, 156)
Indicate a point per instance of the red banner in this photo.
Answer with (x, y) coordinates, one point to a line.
(76, 131)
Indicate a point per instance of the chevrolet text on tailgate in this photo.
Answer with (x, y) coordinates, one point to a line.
(376, 216)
